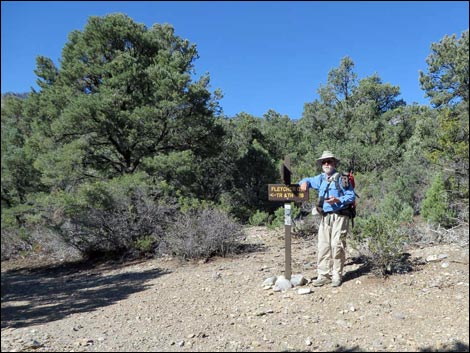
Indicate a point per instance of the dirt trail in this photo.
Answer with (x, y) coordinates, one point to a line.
(220, 305)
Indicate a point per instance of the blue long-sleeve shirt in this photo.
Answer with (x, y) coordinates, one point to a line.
(320, 183)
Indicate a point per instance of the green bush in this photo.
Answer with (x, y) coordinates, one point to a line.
(381, 241)
(110, 218)
(279, 218)
(435, 207)
(393, 208)
(145, 244)
(259, 218)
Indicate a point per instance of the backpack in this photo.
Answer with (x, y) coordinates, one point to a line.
(346, 179)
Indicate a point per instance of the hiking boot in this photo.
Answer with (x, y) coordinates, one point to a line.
(320, 281)
(336, 282)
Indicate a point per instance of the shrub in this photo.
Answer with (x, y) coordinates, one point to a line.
(436, 206)
(111, 218)
(13, 243)
(381, 241)
(279, 216)
(393, 208)
(145, 244)
(306, 226)
(202, 234)
(259, 218)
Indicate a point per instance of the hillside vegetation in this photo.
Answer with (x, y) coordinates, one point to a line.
(122, 153)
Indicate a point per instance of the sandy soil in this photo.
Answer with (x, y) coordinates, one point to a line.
(221, 305)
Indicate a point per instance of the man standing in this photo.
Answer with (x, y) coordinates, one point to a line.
(335, 196)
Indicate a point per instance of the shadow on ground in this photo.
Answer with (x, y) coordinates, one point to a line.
(249, 248)
(457, 346)
(31, 296)
(362, 270)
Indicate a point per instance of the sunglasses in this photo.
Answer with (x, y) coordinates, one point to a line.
(329, 161)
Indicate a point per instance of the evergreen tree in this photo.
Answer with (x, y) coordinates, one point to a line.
(354, 118)
(123, 93)
(447, 84)
(435, 207)
(19, 178)
(447, 79)
(280, 134)
(251, 169)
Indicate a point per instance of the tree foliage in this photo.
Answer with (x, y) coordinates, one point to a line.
(356, 119)
(447, 79)
(447, 84)
(123, 93)
(436, 205)
(123, 133)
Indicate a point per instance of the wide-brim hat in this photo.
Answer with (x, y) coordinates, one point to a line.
(327, 155)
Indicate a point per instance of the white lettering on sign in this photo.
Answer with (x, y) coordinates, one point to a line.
(283, 188)
(278, 192)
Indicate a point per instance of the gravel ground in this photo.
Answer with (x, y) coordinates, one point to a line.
(221, 305)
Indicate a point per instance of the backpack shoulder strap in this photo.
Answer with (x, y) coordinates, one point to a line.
(335, 177)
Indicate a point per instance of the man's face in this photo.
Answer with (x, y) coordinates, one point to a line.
(328, 165)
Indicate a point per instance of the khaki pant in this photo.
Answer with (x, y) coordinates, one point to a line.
(332, 244)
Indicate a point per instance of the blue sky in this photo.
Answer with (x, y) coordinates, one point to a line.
(262, 55)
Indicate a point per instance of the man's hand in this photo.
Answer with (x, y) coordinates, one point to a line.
(303, 186)
(332, 200)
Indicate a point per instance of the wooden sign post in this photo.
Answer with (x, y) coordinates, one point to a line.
(287, 192)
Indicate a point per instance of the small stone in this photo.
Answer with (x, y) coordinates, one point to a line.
(302, 291)
(432, 258)
(269, 282)
(35, 344)
(216, 275)
(84, 342)
(282, 284)
(298, 280)
(399, 316)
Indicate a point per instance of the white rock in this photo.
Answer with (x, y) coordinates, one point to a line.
(282, 284)
(298, 280)
(269, 282)
(432, 258)
(304, 291)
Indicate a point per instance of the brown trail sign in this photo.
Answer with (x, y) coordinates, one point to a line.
(281, 192)
(287, 192)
